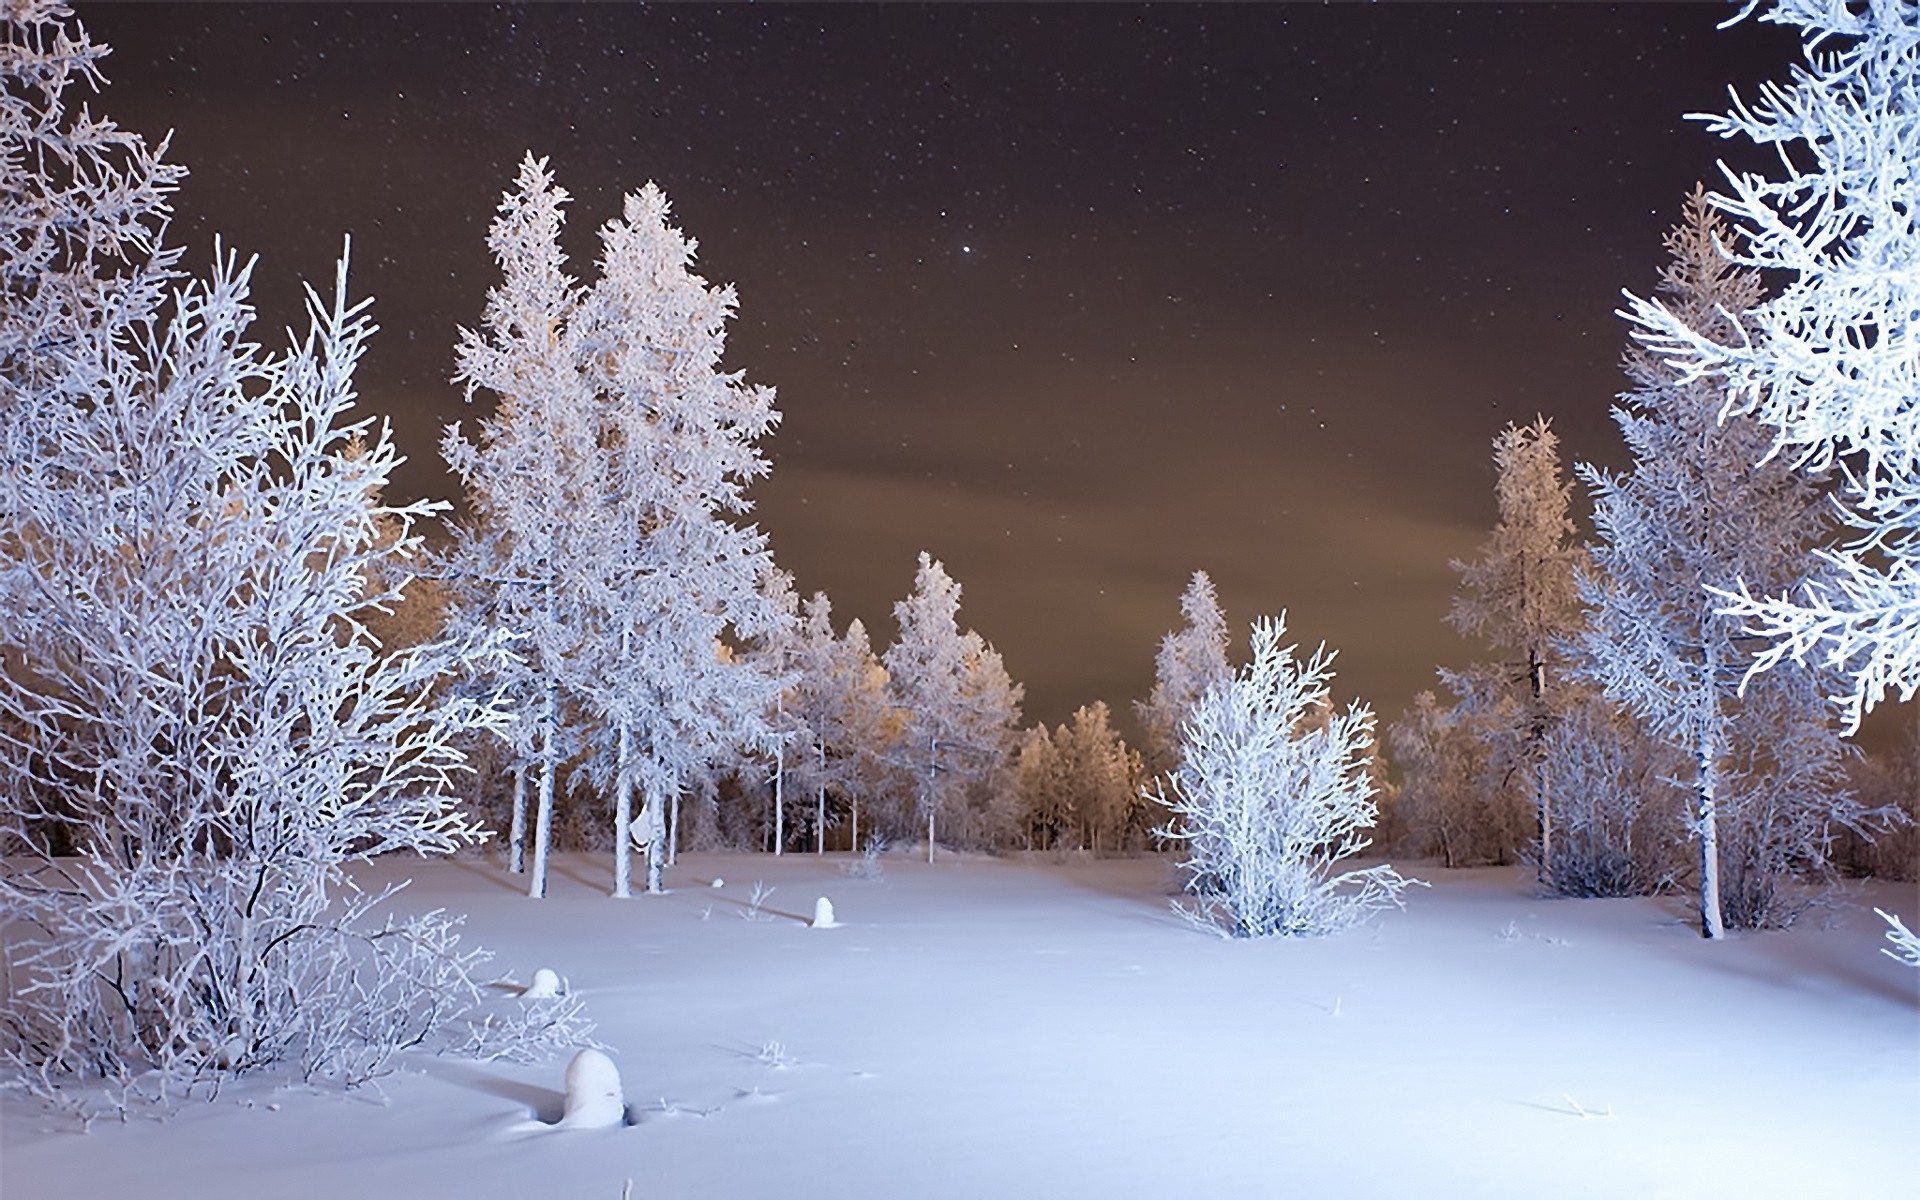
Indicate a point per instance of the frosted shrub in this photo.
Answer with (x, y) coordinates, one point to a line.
(1620, 818)
(197, 731)
(1273, 791)
(1454, 803)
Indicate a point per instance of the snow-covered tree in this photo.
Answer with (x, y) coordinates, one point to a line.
(1274, 790)
(1704, 509)
(958, 711)
(1191, 659)
(530, 478)
(837, 704)
(1078, 783)
(677, 575)
(199, 730)
(863, 729)
(1829, 362)
(1519, 597)
(607, 490)
(1452, 803)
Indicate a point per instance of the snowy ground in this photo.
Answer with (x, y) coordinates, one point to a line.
(993, 1028)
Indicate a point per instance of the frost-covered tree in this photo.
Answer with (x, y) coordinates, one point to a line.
(675, 574)
(1519, 597)
(837, 703)
(1830, 361)
(958, 710)
(200, 733)
(606, 490)
(1274, 790)
(1078, 783)
(529, 475)
(1703, 509)
(863, 729)
(1191, 659)
(1453, 803)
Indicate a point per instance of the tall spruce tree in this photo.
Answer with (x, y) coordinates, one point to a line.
(1703, 509)
(1519, 596)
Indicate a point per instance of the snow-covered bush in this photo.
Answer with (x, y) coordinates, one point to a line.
(1455, 802)
(1906, 943)
(1275, 790)
(200, 733)
(1621, 831)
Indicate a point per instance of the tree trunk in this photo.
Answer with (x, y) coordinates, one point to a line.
(779, 796)
(1537, 681)
(1706, 802)
(543, 815)
(932, 796)
(651, 812)
(517, 837)
(820, 807)
(673, 831)
(623, 814)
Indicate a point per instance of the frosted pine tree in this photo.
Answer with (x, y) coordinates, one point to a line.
(1079, 781)
(532, 484)
(1830, 362)
(200, 732)
(1275, 790)
(678, 576)
(1191, 659)
(1703, 508)
(1519, 596)
(863, 729)
(838, 704)
(957, 709)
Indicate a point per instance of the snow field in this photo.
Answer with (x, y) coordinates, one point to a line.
(993, 1027)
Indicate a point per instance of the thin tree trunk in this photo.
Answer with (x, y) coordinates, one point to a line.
(673, 831)
(932, 796)
(543, 816)
(820, 807)
(779, 796)
(656, 835)
(623, 814)
(853, 834)
(1706, 802)
(1537, 680)
(517, 837)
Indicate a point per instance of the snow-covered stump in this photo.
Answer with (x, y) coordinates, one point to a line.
(594, 1097)
(823, 914)
(545, 986)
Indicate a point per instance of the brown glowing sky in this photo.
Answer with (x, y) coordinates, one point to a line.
(1078, 298)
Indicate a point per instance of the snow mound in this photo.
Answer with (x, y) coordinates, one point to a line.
(594, 1098)
(823, 914)
(545, 985)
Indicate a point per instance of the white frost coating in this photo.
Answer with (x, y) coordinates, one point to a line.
(1273, 790)
(958, 707)
(1832, 359)
(823, 914)
(594, 1098)
(545, 985)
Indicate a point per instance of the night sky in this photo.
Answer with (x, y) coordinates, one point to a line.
(1078, 298)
